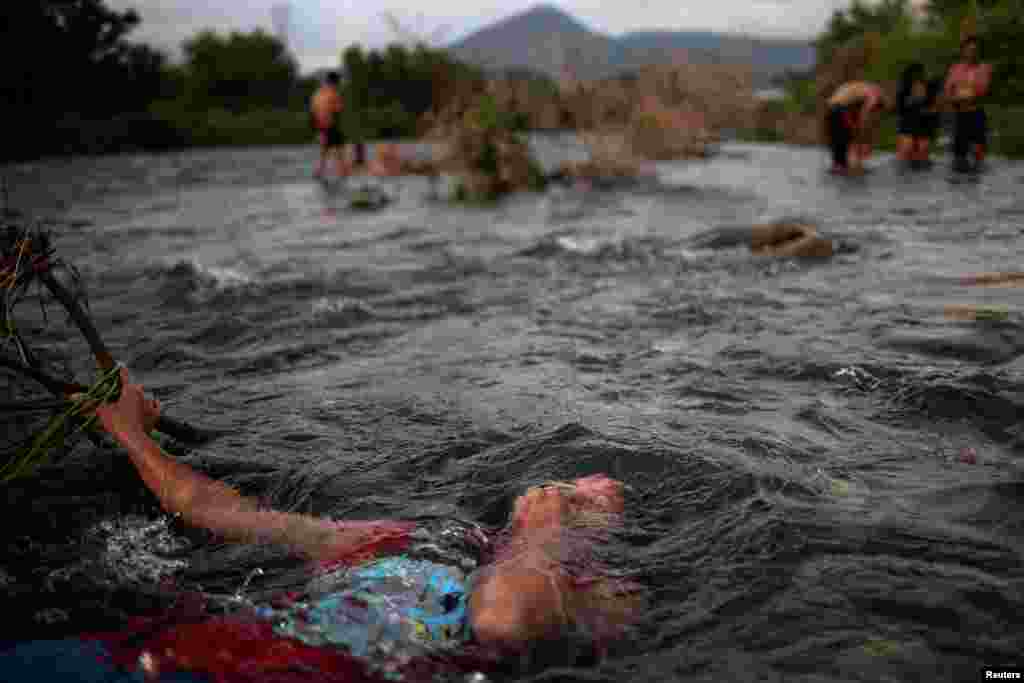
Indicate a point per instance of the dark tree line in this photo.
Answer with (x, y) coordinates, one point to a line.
(238, 73)
(66, 57)
(73, 82)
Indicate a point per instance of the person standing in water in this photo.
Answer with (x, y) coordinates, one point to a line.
(379, 584)
(968, 82)
(325, 107)
(918, 120)
(854, 109)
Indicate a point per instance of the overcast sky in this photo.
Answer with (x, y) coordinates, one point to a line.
(321, 29)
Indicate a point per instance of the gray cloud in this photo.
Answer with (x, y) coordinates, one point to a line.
(321, 29)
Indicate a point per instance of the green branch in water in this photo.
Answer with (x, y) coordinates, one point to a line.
(27, 258)
(28, 458)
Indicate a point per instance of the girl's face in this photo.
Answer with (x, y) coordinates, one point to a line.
(552, 504)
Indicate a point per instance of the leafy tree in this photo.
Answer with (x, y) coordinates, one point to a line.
(89, 70)
(137, 76)
(1000, 27)
(239, 72)
(942, 13)
(801, 95)
(860, 19)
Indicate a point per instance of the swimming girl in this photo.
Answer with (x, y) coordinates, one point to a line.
(382, 584)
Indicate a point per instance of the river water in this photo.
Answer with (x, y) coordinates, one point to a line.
(792, 431)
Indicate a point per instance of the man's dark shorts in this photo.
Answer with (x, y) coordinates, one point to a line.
(840, 129)
(969, 128)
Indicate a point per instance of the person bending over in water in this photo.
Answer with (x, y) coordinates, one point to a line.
(325, 106)
(395, 587)
(854, 109)
(966, 83)
(918, 118)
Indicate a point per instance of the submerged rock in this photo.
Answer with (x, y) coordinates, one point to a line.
(784, 239)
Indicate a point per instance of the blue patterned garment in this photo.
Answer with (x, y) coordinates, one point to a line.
(392, 602)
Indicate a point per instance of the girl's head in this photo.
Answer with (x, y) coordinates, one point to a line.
(545, 578)
(585, 502)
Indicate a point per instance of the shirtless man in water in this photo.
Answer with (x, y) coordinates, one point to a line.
(854, 109)
(967, 82)
(540, 580)
(325, 107)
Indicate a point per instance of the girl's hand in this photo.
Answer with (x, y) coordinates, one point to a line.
(132, 413)
(539, 508)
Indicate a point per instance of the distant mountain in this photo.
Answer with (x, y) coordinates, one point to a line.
(545, 39)
(540, 39)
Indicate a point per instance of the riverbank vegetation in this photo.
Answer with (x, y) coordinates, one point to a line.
(99, 92)
(888, 35)
(104, 93)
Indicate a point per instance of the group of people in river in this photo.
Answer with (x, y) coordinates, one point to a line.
(855, 108)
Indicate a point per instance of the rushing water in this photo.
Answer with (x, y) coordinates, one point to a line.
(792, 431)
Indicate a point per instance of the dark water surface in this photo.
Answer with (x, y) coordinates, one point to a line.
(792, 431)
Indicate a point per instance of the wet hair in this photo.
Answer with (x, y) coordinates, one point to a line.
(333, 77)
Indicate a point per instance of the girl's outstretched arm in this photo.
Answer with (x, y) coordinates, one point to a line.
(210, 504)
